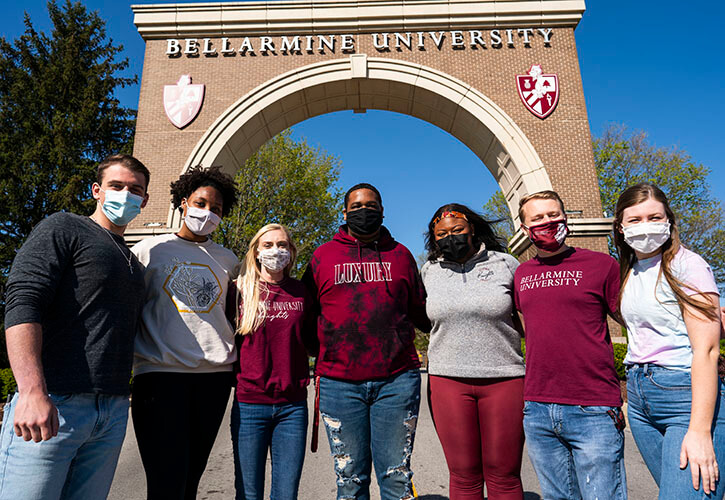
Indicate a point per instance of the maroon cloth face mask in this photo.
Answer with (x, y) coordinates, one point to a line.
(549, 236)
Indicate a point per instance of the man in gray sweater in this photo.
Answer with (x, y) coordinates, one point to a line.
(74, 296)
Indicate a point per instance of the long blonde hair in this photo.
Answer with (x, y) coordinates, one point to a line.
(250, 285)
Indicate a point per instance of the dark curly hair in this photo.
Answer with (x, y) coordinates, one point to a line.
(482, 231)
(199, 176)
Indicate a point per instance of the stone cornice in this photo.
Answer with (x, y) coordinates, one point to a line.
(133, 236)
(216, 19)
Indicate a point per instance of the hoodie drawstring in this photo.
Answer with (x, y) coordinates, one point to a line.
(382, 268)
(359, 261)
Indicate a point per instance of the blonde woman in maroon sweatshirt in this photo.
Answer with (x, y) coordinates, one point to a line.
(270, 412)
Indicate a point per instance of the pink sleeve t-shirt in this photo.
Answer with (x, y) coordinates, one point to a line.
(655, 328)
(564, 301)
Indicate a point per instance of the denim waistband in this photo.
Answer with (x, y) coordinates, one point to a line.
(651, 367)
(645, 367)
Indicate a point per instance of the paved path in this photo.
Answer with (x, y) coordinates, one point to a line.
(318, 477)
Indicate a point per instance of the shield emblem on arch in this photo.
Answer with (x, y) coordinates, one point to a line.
(182, 101)
(538, 92)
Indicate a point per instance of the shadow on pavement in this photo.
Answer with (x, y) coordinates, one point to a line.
(529, 495)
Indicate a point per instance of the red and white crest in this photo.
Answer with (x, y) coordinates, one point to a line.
(539, 92)
(182, 101)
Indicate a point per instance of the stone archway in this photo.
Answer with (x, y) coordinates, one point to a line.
(361, 83)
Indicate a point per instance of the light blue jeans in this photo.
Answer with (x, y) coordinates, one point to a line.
(78, 463)
(372, 422)
(279, 428)
(577, 451)
(660, 403)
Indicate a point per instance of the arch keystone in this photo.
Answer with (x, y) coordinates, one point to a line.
(359, 65)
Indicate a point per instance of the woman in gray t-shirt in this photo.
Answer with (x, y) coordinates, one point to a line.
(476, 369)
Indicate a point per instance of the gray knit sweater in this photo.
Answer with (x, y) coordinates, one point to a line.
(470, 306)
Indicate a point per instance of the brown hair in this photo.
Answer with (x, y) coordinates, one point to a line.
(126, 161)
(634, 195)
(541, 195)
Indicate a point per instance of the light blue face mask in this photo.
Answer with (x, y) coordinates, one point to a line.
(121, 206)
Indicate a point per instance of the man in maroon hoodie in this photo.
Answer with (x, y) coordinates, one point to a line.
(370, 296)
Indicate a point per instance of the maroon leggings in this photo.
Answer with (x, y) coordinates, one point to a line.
(480, 424)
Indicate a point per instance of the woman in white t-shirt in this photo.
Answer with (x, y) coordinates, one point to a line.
(185, 351)
(669, 303)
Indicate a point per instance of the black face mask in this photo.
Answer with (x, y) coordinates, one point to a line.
(364, 221)
(454, 246)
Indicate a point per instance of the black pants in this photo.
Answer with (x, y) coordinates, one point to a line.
(176, 417)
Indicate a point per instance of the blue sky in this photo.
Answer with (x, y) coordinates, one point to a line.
(652, 65)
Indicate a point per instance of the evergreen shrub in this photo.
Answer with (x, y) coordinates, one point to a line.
(7, 383)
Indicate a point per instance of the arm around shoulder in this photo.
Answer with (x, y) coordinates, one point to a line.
(142, 250)
(416, 301)
(612, 289)
(511, 262)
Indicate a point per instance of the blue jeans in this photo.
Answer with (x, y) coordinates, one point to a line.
(660, 401)
(256, 428)
(372, 422)
(78, 463)
(577, 452)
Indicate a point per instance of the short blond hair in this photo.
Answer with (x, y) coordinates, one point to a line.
(541, 195)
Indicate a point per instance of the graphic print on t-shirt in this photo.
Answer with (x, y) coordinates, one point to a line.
(192, 287)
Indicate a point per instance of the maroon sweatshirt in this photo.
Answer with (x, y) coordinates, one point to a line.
(273, 365)
(369, 297)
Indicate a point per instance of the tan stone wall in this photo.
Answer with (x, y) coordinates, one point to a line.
(562, 140)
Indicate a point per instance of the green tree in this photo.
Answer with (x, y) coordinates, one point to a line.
(624, 158)
(497, 210)
(286, 182)
(58, 119)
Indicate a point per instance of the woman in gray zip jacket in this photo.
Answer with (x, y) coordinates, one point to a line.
(476, 369)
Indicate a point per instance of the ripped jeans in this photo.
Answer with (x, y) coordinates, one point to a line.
(372, 422)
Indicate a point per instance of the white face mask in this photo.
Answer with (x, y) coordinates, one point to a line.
(274, 259)
(201, 222)
(646, 237)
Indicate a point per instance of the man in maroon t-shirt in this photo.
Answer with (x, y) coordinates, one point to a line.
(572, 416)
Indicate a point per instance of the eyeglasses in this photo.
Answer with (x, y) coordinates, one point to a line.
(449, 213)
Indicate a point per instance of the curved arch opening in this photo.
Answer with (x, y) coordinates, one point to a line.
(359, 83)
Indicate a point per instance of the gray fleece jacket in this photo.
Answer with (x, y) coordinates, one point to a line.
(470, 307)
